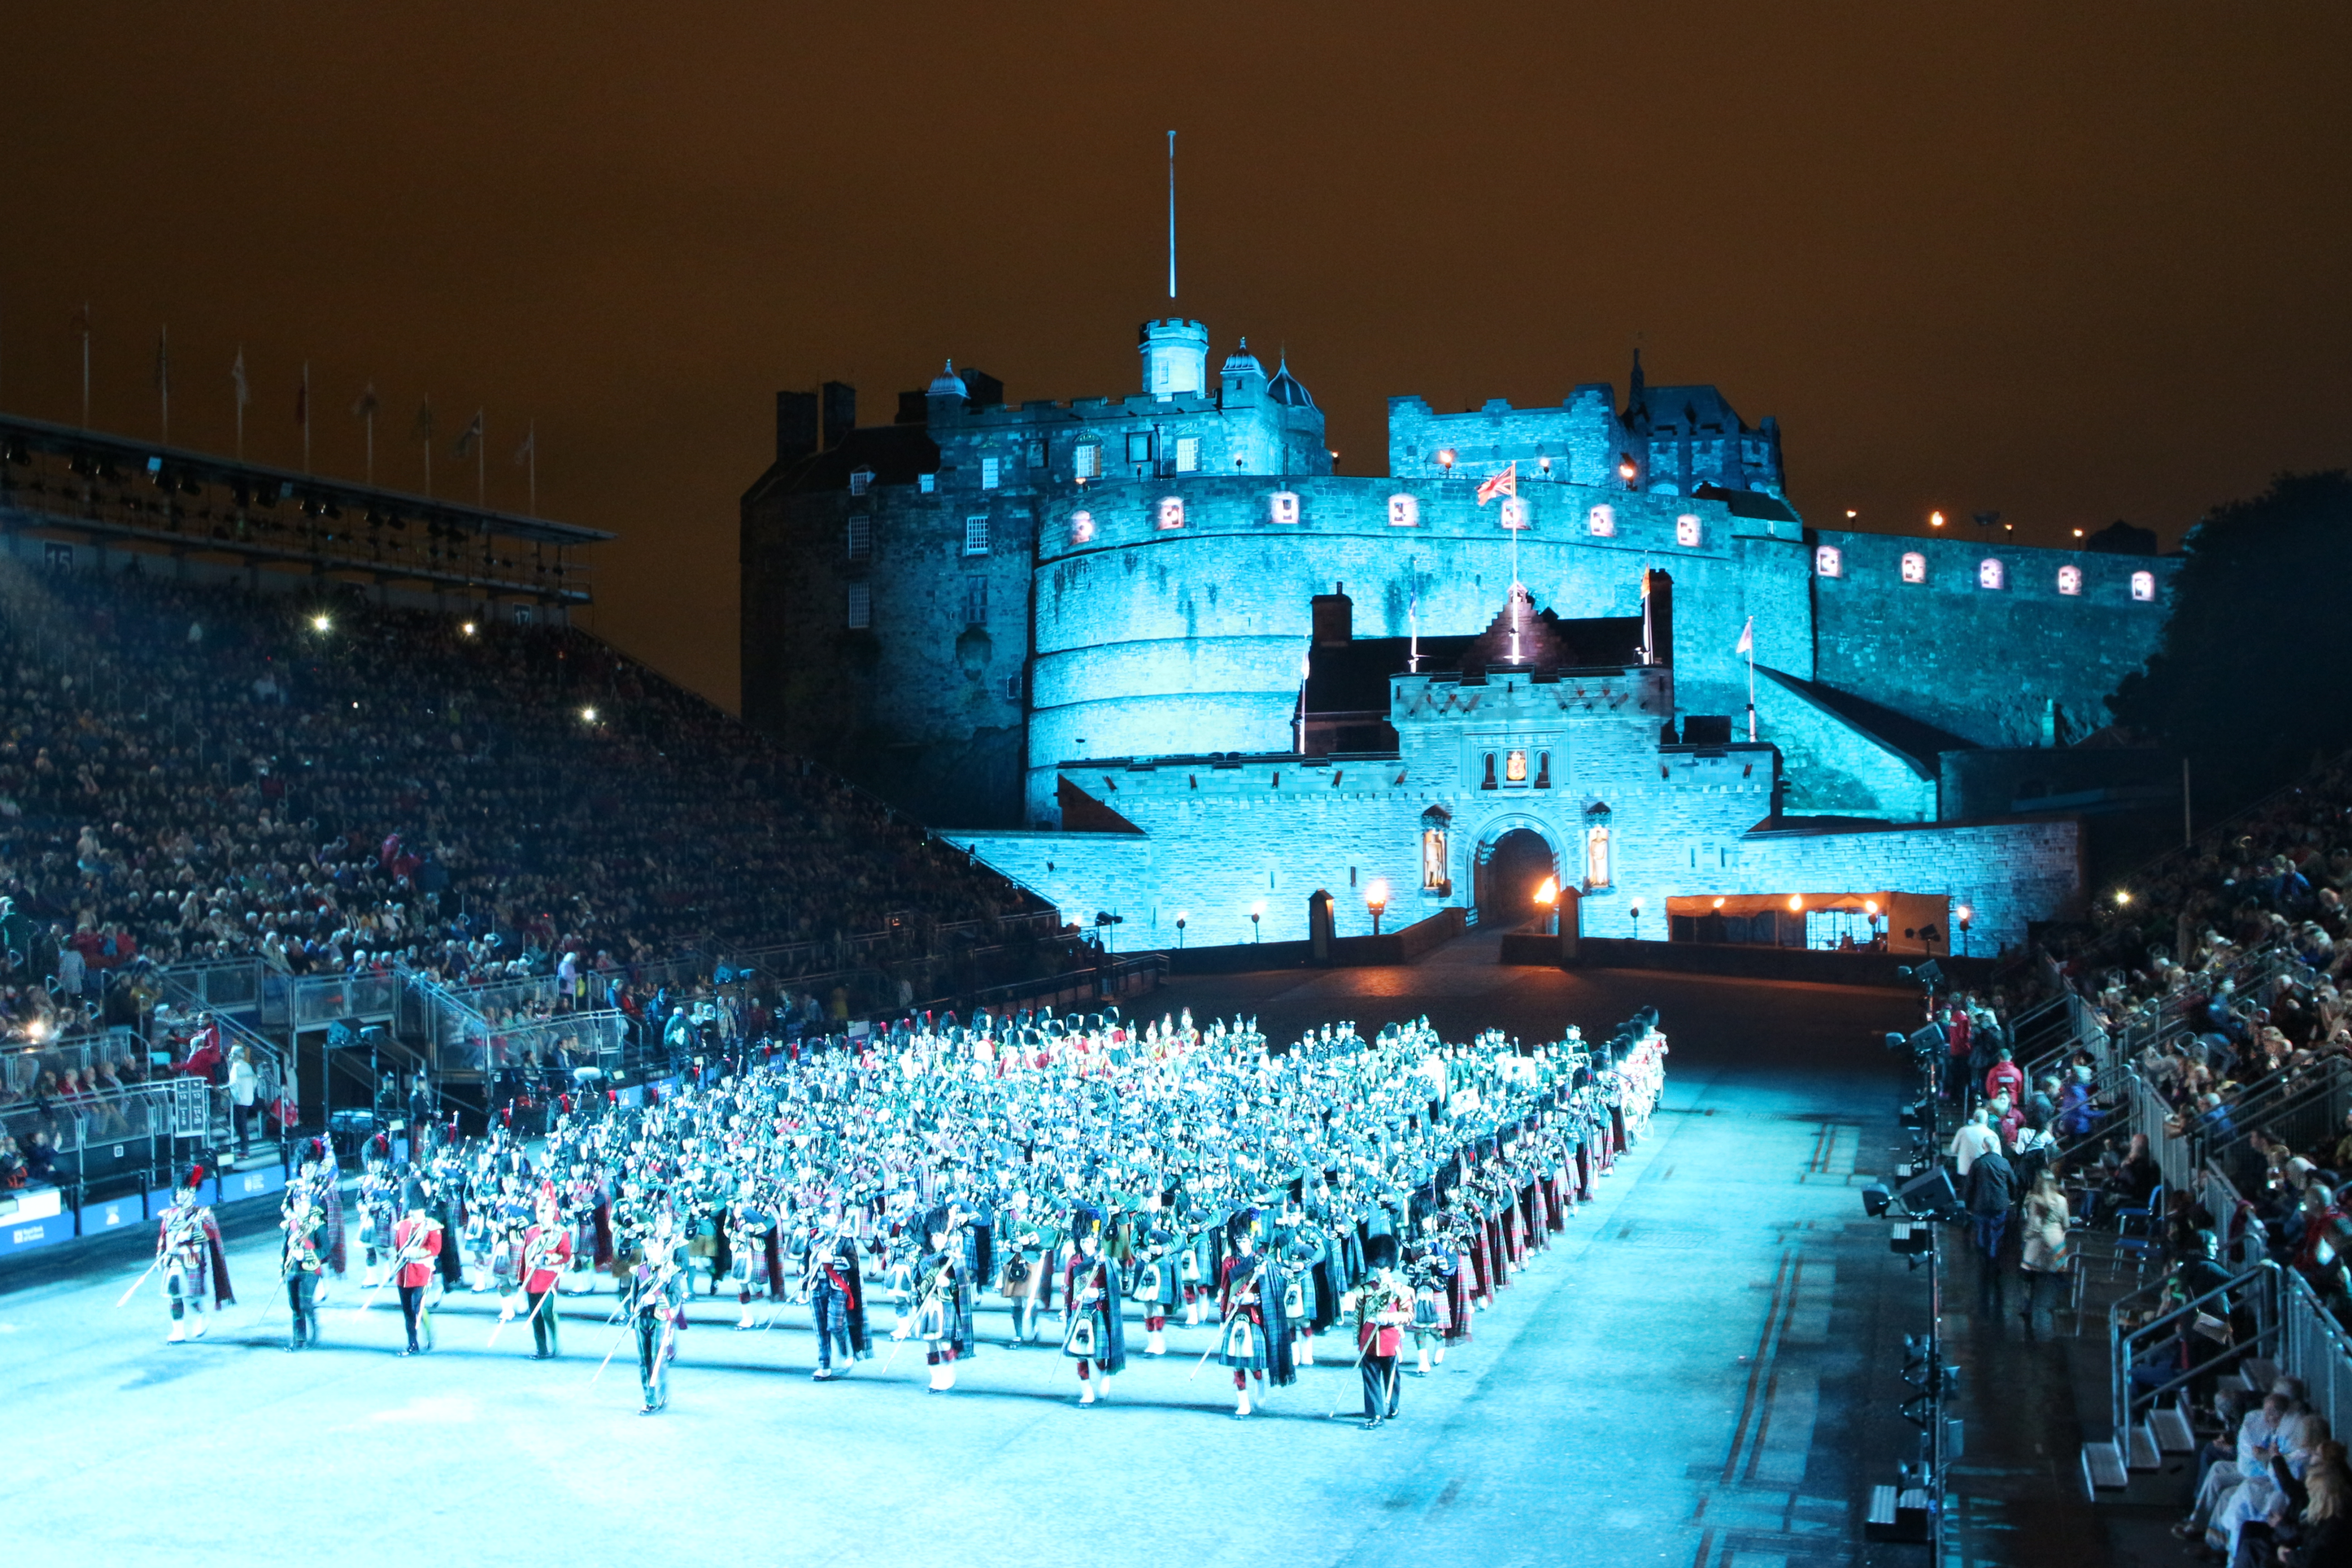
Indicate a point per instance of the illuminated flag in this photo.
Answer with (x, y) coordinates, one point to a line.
(471, 434)
(1506, 483)
(529, 447)
(1747, 638)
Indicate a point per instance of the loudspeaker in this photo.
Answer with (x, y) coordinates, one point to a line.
(1875, 1199)
(1930, 1193)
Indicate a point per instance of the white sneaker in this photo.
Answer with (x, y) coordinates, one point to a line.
(178, 1333)
(196, 1329)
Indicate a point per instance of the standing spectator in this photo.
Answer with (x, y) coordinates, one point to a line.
(1975, 1139)
(242, 1082)
(2005, 1077)
(1992, 1193)
(2044, 1255)
(72, 971)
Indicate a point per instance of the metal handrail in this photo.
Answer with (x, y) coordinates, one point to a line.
(2120, 1341)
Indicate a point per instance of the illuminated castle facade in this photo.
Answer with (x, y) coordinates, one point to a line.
(1031, 621)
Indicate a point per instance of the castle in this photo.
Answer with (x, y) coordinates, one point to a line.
(1152, 656)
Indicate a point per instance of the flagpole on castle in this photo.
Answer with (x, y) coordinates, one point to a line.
(1747, 647)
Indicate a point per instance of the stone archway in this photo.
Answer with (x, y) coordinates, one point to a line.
(1514, 855)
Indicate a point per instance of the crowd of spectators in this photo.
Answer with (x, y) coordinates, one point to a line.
(195, 771)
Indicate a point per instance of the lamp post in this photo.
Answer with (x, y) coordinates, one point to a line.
(1180, 930)
(1870, 908)
(1636, 910)
(1967, 915)
(1546, 896)
(1376, 899)
(1257, 913)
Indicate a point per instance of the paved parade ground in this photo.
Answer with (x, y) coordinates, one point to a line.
(1699, 1373)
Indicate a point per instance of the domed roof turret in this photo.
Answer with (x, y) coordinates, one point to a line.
(1242, 362)
(948, 384)
(1285, 388)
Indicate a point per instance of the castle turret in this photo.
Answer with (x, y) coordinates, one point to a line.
(1175, 357)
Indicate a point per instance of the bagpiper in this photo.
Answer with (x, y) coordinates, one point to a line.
(656, 1306)
(1095, 1336)
(943, 1314)
(1253, 1338)
(301, 1259)
(379, 1210)
(836, 1299)
(188, 1249)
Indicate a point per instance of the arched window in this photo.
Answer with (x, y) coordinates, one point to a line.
(1082, 528)
(1914, 566)
(1599, 871)
(1171, 511)
(1602, 522)
(1687, 533)
(1543, 770)
(1489, 781)
(1828, 562)
(2143, 587)
(2070, 580)
(1515, 512)
(1405, 512)
(1991, 574)
(1285, 508)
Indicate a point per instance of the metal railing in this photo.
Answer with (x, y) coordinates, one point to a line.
(2254, 1291)
(22, 1066)
(2313, 1347)
(220, 985)
(2302, 1107)
(315, 1001)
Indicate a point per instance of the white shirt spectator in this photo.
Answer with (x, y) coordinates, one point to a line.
(241, 1081)
(1970, 1141)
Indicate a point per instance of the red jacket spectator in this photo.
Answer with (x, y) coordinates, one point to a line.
(2006, 1077)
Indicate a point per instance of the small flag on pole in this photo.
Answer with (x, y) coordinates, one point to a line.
(1506, 483)
(364, 406)
(236, 379)
(164, 361)
(1747, 638)
(302, 398)
(530, 445)
(466, 437)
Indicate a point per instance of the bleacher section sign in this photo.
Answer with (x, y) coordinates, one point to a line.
(191, 1108)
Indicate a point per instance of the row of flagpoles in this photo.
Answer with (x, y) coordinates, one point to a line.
(470, 442)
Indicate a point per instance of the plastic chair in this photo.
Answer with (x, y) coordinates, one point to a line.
(2143, 1246)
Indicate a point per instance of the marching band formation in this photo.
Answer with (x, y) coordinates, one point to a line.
(1388, 1186)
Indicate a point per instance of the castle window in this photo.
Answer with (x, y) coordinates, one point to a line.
(2143, 587)
(861, 606)
(1405, 512)
(1991, 574)
(991, 473)
(1914, 566)
(975, 601)
(1490, 771)
(1139, 445)
(1602, 522)
(1188, 454)
(1687, 530)
(1515, 512)
(1827, 562)
(975, 536)
(927, 483)
(860, 480)
(861, 537)
(2070, 580)
(1082, 528)
(1543, 770)
(1285, 508)
(1036, 453)
(1086, 461)
(1515, 768)
(1171, 511)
